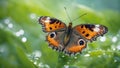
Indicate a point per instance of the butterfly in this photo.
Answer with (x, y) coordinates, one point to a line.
(67, 39)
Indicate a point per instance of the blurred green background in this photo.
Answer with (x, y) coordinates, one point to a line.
(23, 45)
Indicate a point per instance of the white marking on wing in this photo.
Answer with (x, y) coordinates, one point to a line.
(47, 19)
(97, 29)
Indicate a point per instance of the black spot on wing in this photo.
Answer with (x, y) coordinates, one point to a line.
(83, 32)
(55, 26)
(60, 23)
(57, 22)
(87, 35)
(81, 26)
(50, 28)
(90, 26)
(52, 21)
(81, 42)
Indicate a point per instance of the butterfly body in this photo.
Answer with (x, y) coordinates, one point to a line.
(67, 34)
(70, 40)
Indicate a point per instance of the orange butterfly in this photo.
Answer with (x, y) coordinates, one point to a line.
(68, 39)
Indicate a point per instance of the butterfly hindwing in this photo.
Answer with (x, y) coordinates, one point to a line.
(76, 44)
(55, 40)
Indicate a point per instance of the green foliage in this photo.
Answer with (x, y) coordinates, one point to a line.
(22, 42)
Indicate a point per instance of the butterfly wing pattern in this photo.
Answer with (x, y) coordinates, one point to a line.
(91, 32)
(50, 24)
(70, 40)
(75, 45)
(55, 29)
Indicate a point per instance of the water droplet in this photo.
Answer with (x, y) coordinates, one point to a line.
(75, 57)
(115, 60)
(3, 50)
(24, 39)
(41, 64)
(113, 47)
(35, 62)
(118, 47)
(46, 66)
(114, 39)
(10, 25)
(33, 16)
(103, 39)
(37, 54)
(66, 66)
(87, 55)
(89, 51)
(21, 31)
(17, 34)
(6, 21)
(31, 60)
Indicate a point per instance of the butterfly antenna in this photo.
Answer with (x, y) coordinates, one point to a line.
(67, 14)
(79, 17)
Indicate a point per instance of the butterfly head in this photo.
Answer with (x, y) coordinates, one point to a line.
(70, 25)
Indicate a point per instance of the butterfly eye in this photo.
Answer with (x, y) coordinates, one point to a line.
(81, 42)
(52, 35)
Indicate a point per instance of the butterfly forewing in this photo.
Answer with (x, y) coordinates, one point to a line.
(51, 24)
(90, 31)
